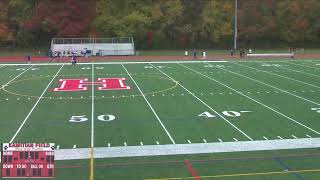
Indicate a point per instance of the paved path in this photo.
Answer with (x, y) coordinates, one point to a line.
(147, 58)
(197, 148)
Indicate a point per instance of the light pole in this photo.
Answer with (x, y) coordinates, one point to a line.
(235, 25)
(30, 171)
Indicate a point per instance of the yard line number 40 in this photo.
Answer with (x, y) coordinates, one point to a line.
(206, 114)
(83, 118)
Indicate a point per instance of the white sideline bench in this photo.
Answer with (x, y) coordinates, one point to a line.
(272, 55)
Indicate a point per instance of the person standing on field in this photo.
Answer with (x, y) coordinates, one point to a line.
(28, 59)
(73, 60)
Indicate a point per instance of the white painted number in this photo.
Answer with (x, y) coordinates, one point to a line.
(83, 118)
(106, 118)
(78, 118)
(226, 113)
(160, 67)
(316, 109)
(218, 66)
(206, 115)
(20, 69)
(23, 69)
(231, 113)
(86, 68)
(269, 65)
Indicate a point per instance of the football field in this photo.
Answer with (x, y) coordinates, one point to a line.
(150, 104)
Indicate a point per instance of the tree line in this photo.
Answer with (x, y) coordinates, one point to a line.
(163, 23)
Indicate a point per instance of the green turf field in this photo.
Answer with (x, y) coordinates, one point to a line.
(167, 103)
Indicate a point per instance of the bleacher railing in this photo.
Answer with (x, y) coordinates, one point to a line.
(92, 40)
(92, 46)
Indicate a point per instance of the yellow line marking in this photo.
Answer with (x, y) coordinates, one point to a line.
(245, 174)
(92, 163)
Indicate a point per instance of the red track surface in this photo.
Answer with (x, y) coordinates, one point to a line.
(137, 58)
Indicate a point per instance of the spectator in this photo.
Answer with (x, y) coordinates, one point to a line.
(231, 52)
(242, 53)
(186, 54)
(204, 54)
(85, 52)
(195, 54)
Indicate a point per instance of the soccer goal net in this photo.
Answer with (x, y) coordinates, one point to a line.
(92, 46)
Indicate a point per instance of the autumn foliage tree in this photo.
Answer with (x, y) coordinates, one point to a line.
(64, 18)
(164, 23)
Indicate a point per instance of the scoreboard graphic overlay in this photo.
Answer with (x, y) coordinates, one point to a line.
(27, 160)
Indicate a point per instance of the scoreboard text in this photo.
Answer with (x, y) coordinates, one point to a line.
(29, 160)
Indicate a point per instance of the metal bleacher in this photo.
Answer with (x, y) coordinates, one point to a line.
(92, 46)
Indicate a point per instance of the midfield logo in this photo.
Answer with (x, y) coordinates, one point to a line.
(82, 84)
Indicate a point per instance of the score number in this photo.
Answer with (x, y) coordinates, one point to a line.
(83, 118)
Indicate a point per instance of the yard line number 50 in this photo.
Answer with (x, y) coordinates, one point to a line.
(83, 118)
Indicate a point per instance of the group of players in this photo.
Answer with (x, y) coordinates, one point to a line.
(52, 59)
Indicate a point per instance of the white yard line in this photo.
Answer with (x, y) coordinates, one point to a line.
(270, 86)
(154, 112)
(92, 106)
(294, 136)
(291, 119)
(182, 149)
(308, 136)
(303, 65)
(35, 105)
(279, 137)
(234, 126)
(278, 75)
(300, 71)
(14, 78)
(265, 138)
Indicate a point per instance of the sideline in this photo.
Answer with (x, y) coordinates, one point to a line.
(154, 62)
(181, 149)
